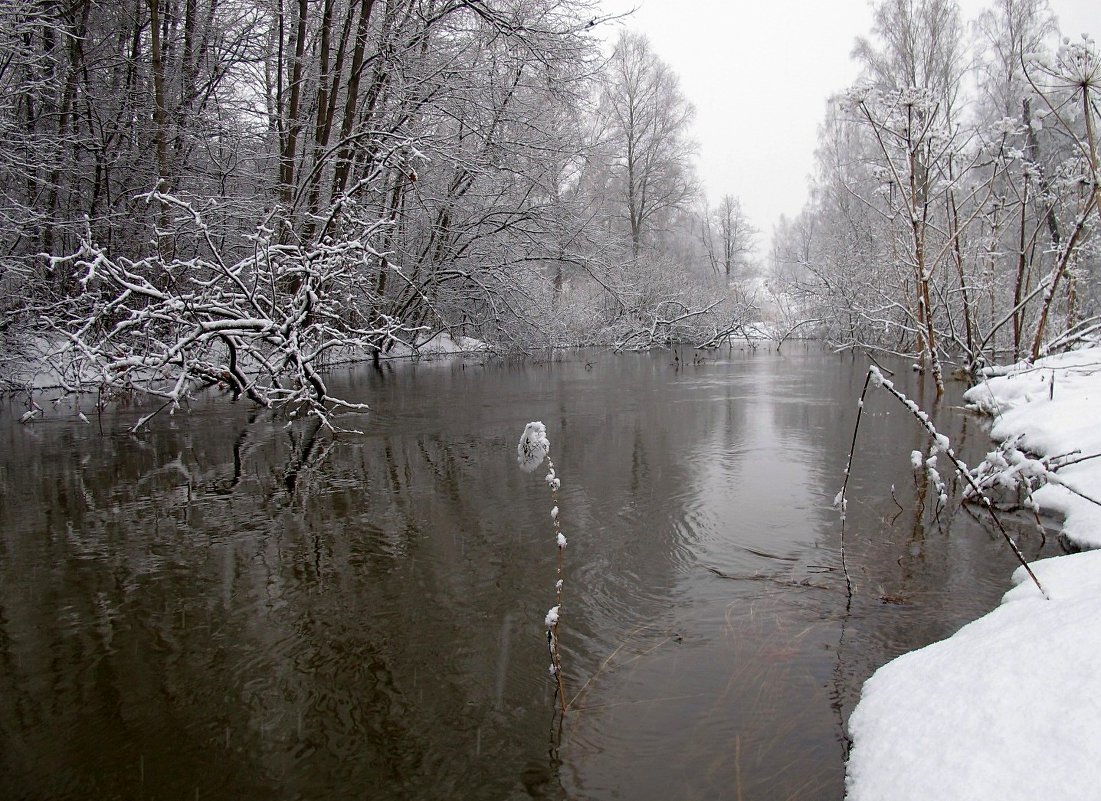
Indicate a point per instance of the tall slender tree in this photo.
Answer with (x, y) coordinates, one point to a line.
(648, 120)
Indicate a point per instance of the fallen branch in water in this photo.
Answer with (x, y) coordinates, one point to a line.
(941, 444)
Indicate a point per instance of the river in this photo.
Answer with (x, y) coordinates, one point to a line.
(230, 607)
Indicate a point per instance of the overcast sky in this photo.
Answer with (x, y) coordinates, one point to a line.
(759, 73)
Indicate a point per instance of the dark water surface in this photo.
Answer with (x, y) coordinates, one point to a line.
(226, 608)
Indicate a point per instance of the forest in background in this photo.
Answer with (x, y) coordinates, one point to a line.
(955, 208)
(241, 192)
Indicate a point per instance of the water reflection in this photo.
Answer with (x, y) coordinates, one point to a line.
(229, 607)
(679, 711)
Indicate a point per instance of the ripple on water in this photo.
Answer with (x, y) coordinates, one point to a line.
(229, 605)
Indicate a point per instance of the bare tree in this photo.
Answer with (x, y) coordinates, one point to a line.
(230, 192)
(728, 237)
(1010, 245)
(939, 235)
(648, 119)
(916, 74)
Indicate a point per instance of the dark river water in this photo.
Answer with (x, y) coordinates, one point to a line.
(225, 607)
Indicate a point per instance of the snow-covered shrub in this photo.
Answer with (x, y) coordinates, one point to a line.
(262, 325)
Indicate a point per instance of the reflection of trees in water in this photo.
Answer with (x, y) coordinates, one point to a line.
(922, 570)
(246, 607)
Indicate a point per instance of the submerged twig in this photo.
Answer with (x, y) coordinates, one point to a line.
(876, 377)
(841, 500)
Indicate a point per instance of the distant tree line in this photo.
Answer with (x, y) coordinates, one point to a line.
(954, 210)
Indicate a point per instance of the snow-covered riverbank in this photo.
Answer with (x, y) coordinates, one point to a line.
(1003, 709)
(35, 365)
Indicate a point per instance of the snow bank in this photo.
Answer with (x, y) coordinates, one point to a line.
(33, 365)
(1003, 709)
(438, 344)
(1055, 405)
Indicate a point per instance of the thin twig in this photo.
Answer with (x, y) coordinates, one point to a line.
(556, 658)
(842, 501)
(961, 467)
(605, 663)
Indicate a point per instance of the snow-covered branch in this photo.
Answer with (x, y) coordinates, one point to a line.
(263, 326)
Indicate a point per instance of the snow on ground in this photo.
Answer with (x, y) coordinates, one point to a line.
(35, 367)
(439, 344)
(1005, 709)
(1056, 405)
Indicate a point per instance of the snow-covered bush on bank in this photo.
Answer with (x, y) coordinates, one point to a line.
(261, 326)
(1046, 413)
(963, 718)
(641, 304)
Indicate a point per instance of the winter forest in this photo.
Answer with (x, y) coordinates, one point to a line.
(241, 193)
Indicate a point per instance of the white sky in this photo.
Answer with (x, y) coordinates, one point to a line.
(759, 73)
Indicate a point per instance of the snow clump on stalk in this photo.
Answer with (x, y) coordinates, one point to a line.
(533, 448)
(532, 451)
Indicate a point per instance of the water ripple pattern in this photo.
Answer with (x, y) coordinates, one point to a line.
(238, 606)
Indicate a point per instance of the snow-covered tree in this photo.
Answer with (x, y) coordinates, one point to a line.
(647, 120)
(945, 225)
(728, 237)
